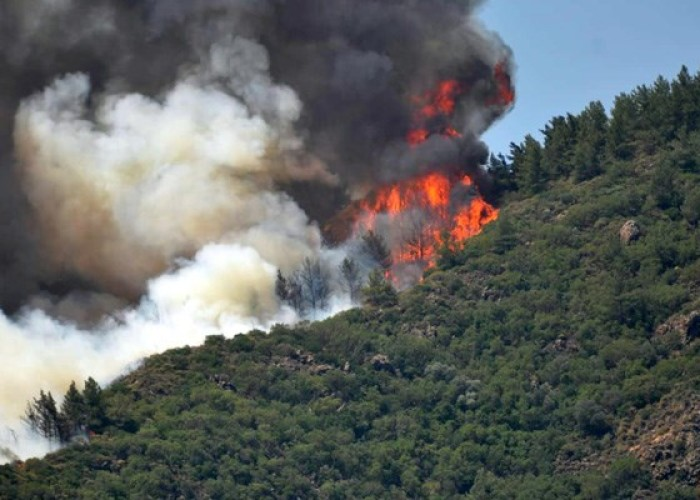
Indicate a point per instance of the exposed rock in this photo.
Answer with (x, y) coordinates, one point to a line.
(223, 381)
(300, 361)
(320, 369)
(562, 344)
(685, 325)
(381, 362)
(427, 331)
(668, 441)
(629, 232)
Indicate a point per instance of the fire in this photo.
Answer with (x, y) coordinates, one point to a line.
(421, 212)
(418, 215)
(434, 109)
(505, 95)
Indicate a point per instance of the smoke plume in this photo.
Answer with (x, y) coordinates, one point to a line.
(161, 160)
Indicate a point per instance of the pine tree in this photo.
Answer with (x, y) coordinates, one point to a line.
(379, 292)
(377, 249)
(624, 123)
(559, 141)
(94, 405)
(533, 177)
(590, 142)
(73, 413)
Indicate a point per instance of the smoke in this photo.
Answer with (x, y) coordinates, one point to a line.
(161, 160)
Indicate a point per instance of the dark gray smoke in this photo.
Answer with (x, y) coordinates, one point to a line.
(354, 64)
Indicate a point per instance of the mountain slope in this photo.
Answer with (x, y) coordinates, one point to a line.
(552, 357)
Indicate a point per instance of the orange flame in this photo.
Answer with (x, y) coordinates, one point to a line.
(436, 105)
(505, 95)
(425, 210)
(434, 206)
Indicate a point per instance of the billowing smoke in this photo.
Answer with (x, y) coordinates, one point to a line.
(161, 160)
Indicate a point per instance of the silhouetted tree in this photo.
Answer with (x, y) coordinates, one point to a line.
(351, 278)
(315, 282)
(281, 287)
(74, 413)
(43, 417)
(375, 246)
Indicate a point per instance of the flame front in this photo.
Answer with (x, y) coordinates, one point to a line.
(417, 215)
(422, 212)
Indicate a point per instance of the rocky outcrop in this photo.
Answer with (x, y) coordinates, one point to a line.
(687, 326)
(629, 232)
(562, 344)
(381, 362)
(300, 361)
(668, 440)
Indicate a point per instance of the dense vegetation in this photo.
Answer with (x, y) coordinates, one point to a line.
(548, 358)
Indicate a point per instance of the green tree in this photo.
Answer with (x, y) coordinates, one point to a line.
(624, 122)
(559, 141)
(73, 412)
(533, 175)
(379, 292)
(94, 405)
(691, 207)
(590, 142)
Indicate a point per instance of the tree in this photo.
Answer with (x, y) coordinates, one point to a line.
(691, 207)
(281, 287)
(533, 176)
(74, 413)
(315, 282)
(502, 175)
(663, 186)
(96, 412)
(559, 141)
(379, 292)
(375, 246)
(295, 295)
(686, 101)
(624, 123)
(416, 235)
(590, 142)
(43, 417)
(351, 278)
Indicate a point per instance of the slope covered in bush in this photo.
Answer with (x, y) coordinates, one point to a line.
(552, 357)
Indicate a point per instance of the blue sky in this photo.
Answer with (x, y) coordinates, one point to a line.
(570, 52)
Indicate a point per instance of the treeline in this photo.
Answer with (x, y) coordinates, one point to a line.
(78, 414)
(546, 358)
(362, 276)
(664, 115)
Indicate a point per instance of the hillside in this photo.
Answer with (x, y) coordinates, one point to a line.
(553, 356)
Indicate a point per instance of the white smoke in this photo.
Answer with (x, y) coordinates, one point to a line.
(170, 198)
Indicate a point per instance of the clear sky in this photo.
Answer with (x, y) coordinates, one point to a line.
(570, 52)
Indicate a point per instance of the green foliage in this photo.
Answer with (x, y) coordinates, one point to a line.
(379, 292)
(514, 370)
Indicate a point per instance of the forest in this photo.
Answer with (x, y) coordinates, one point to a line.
(555, 355)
